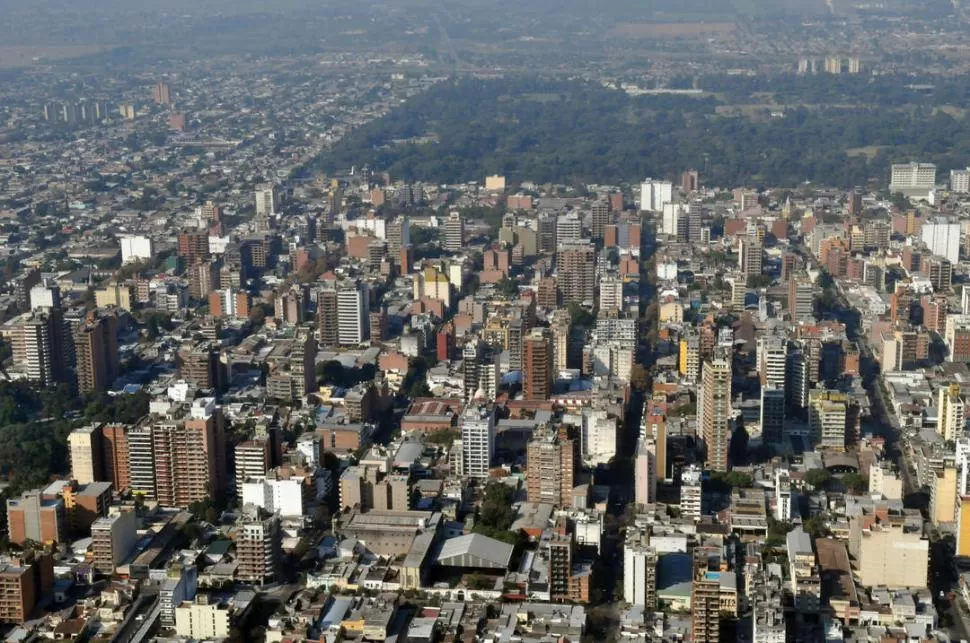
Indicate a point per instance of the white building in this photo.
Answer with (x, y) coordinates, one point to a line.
(942, 237)
(611, 292)
(599, 437)
(282, 496)
(135, 248)
(783, 500)
(477, 440)
(640, 575)
(569, 227)
(690, 492)
(267, 201)
(960, 181)
(671, 215)
(201, 620)
(653, 194)
(645, 483)
(912, 177)
(353, 311)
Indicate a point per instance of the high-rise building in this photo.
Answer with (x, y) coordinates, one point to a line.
(654, 194)
(252, 459)
(569, 227)
(193, 245)
(23, 583)
(772, 415)
(480, 371)
(952, 413)
(576, 272)
(832, 419)
(328, 321)
(84, 445)
(547, 233)
(267, 201)
(560, 328)
(715, 403)
(783, 498)
(258, 547)
(801, 298)
(398, 234)
(353, 311)
(905, 177)
(645, 483)
(689, 181)
(550, 466)
(179, 459)
(201, 365)
(601, 218)
(454, 232)
(942, 237)
(639, 570)
(96, 353)
(537, 365)
(611, 293)
(957, 336)
(113, 539)
(477, 440)
(705, 601)
(161, 93)
(40, 343)
(114, 456)
(772, 360)
(750, 256)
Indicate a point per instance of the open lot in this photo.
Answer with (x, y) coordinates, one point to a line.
(672, 29)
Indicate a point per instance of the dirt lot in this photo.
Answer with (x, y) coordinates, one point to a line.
(25, 55)
(672, 29)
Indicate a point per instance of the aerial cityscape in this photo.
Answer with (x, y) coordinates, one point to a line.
(485, 322)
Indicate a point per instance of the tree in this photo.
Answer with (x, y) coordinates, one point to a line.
(855, 482)
(816, 527)
(818, 478)
(640, 378)
(257, 315)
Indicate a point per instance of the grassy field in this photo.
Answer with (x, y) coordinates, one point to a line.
(26, 55)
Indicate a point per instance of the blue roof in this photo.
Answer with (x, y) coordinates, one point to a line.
(131, 388)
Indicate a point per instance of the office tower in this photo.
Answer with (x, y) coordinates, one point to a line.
(832, 419)
(560, 328)
(772, 415)
(267, 201)
(258, 547)
(951, 413)
(454, 238)
(85, 447)
(654, 194)
(353, 310)
(601, 218)
(328, 320)
(750, 256)
(569, 227)
(942, 237)
(477, 425)
(705, 602)
(547, 233)
(960, 181)
(114, 456)
(645, 483)
(252, 459)
(23, 583)
(480, 371)
(715, 400)
(113, 539)
(537, 365)
(550, 466)
(905, 177)
(161, 93)
(193, 245)
(96, 353)
(35, 517)
(576, 272)
(639, 571)
(772, 360)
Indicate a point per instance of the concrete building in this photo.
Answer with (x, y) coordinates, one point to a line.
(477, 425)
(639, 571)
(202, 619)
(353, 311)
(84, 447)
(112, 540)
(96, 353)
(23, 584)
(645, 481)
(454, 238)
(550, 466)
(952, 414)
(716, 418)
(943, 495)
(654, 194)
(915, 180)
(537, 365)
(942, 237)
(34, 517)
(888, 552)
(258, 547)
(267, 201)
(576, 272)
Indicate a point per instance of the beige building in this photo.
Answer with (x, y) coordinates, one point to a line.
(114, 294)
(952, 419)
(84, 445)
(885, 482)
(202, 620)
(888, 551)
(113, 539)
(495, 183)
(671, 312)
(943, 496)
